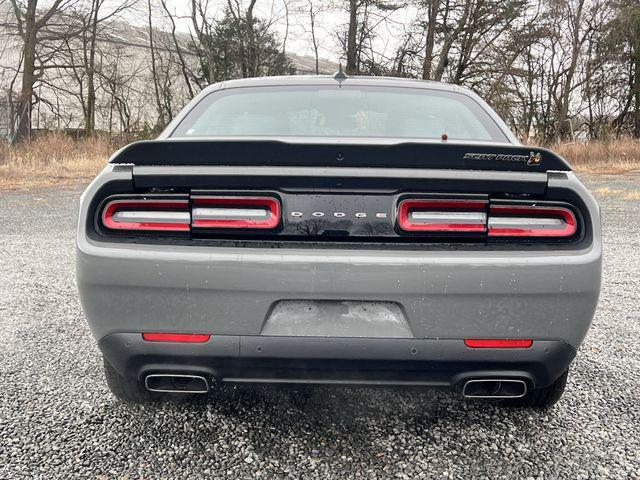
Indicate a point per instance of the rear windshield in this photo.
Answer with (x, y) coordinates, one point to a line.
(332, 111)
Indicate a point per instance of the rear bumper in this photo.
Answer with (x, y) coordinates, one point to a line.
(234, 291)
(445, 363)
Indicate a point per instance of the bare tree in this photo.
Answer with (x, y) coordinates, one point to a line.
(623, 47)
(314, 40)
(83, 55)
(203, 26)
(552, 68)
(432, 11)
(161, 107)
(33, 25)
(366, 18)
(117, 78)
(352, 33)
(571, 17)
(184, 69)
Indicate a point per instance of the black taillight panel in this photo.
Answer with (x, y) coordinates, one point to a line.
(336, 217)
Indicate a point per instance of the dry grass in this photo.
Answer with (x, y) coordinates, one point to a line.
(52, 159)
(623, 193)
(56, 159)
(619, 156)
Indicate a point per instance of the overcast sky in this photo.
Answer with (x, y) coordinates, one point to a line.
(331, 17)
(328, 22)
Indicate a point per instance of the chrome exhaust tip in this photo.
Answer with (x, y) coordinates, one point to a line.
(176, 383)
(494, 388)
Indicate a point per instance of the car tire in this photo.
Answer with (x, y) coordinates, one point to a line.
(540, 397)
(131, 391)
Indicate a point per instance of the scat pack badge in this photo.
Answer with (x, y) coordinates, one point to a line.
(532, 159)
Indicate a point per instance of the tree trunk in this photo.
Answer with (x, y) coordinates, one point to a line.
(154, 72)
(203, 39)
(25, 101)
(251, 53)
(352, 60)
(563, 129)
(90, 121)
(432, 12)
(183, 64)
(314, 41)
(443, 59)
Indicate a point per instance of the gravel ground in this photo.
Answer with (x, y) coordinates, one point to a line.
(58, 420)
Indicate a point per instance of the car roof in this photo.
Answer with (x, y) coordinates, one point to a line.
(291, 80)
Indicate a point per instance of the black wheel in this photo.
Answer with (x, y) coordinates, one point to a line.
(540, 397)
(125, 389)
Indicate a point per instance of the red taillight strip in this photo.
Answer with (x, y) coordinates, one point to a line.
(147, 207)
(497, 343)
(177, 337)
(438, 209)
(524, 213)
(252, 212)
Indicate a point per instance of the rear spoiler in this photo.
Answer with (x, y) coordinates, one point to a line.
(456, 156)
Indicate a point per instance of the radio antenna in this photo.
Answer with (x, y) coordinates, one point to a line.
(340, 76)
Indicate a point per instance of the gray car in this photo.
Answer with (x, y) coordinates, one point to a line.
(334, 230)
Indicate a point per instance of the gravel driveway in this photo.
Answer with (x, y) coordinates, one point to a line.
(58, 420)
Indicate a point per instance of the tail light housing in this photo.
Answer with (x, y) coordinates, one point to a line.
(235, 212)
(443, 216)
(531, 221)
(147, 215)
(183, 214)
(491, 219)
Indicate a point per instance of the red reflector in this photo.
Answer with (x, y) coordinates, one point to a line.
(497, 343)
(531, 221)
(177, 337)
(145, 215)
(235, 212)
(442, 215)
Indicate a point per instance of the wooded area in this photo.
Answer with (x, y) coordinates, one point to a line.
(556, 70)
